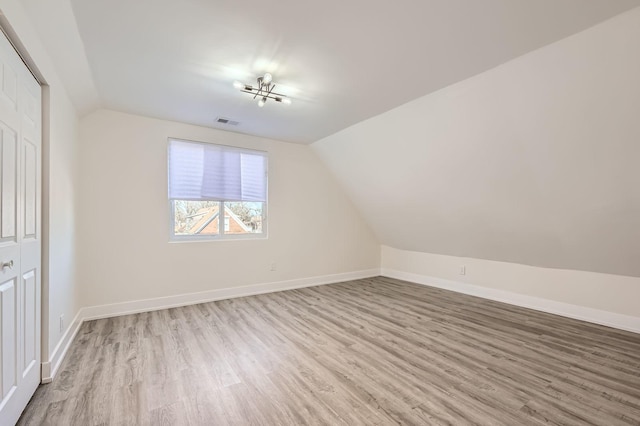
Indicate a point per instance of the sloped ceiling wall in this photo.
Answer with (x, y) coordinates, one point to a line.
(534, 162)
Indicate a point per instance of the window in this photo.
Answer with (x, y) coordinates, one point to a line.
(208, 182)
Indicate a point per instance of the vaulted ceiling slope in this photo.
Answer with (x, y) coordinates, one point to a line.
(341, 61)
(534, 162)
(56, 24)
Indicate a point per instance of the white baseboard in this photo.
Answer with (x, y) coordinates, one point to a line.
(146, 305)
(50, 368)
(45, 373)
(596, 316)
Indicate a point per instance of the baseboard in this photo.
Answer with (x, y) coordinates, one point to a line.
(146, 305)
(46, 375)
(596, 316)
(50, 368)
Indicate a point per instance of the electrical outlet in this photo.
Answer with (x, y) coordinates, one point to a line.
(61, 323)
(273, 266)
(463, 270)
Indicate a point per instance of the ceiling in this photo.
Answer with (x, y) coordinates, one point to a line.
(341, 61)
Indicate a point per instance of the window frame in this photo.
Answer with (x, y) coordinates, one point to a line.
(221, 236)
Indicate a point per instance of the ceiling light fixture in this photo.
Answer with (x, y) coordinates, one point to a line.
(263, 91)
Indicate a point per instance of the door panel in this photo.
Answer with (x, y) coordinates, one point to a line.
(29, 320)
(8, 328)
(9, 175)
(9, 85)
(30, 189)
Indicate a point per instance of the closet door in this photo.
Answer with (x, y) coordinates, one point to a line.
(20, 240)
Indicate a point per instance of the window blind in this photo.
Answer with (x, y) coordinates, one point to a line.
(208, 172)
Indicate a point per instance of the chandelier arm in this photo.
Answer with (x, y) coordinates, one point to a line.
(260, 84)
(274, 96)
(271, 95)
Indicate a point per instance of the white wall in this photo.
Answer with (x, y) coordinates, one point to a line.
(533, 162)
(125, 252)
(63, 188)
(610, 293)
(59, 188)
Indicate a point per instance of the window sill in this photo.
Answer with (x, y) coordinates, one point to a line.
(209, 239)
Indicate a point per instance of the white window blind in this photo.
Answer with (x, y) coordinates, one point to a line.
(208, 172)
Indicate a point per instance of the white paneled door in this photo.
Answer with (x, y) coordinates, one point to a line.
(20, 169)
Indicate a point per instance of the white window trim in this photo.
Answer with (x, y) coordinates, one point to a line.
(221, 236)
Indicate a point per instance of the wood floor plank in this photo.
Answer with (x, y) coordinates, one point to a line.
(375, 351)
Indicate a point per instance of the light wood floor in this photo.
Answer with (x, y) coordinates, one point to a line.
(375, 351)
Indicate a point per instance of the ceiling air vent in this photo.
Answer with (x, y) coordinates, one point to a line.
(227, 121)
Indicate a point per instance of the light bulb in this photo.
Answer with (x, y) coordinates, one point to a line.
(238, 85)
(261, 102)
(268, 78)
(286, 101)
